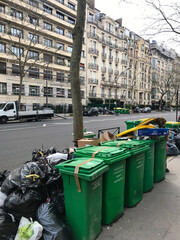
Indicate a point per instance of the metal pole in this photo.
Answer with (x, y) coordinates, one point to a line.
(46, 90)
(177, 106)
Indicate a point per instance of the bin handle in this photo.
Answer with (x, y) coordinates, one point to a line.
(76, 171)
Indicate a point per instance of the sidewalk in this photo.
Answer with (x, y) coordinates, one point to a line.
(156, 217)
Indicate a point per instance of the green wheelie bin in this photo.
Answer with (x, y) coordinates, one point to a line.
(148, 165)
(132, 123)
(134, 169)
(82, 182)
(113, 180)
(160, 159)
(172, 125)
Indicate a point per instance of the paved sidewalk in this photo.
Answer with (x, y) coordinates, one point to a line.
(156, 217)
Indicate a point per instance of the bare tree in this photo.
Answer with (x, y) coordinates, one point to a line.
(77, 33)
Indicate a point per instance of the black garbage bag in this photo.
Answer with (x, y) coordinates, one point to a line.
(3, 176)
(53, 226)
(37, 154)
(28, 176)
(12, 182)
(51, 150)
(177, 141)
(8, 226)
(25, 203)
(57, 201)
(172, 150)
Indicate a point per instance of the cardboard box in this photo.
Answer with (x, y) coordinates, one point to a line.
(88, 141)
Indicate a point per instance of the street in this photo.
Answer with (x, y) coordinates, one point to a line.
(18, 140)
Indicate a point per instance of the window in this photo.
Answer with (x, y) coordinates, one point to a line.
(47, 58)
(59, 15)
(33, 3)
(33, 55)
(15, 70)
(60, 92)
(71, 6)
(17, 51)
(2, 67)
(16, 14)
(33, 38)
(2, 47)
(47, 9)
(82, 53)
(90, 17)
(9, 106)
(60, 60)
(34, 90)
(71, 20)
(82, 94)
(48, 74)
(47, 26)
(60, 31)
(60, 77)
(33, 20)
(34, 72)
(2, 28)
(82, 68)
(69, 49)
(3, 88)
(69, 34)
(16, 32)
(15, 89)
(48, 91)
(60, 1)
(60, 46)
(2, 8)
(69, 63)
(69, 93)
(47, 42)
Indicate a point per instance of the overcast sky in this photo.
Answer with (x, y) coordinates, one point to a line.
(134, 17)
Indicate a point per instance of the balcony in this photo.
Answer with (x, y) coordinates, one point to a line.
(116, 60)
(123, 61)
(93, 66)
(103, 69)
(103, 55)
(109, 43)
(92, 94)
(94, 51)
(116, 72)
(93, 35)
(93, 81)
(122, 97)
(123, 85)
(110, 58)
(110, 71)
(124, 74)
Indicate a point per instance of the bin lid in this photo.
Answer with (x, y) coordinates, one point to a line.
(106, 153)
(128, 144)
(89, 168)
(133, 121)
(173, 123)
(148, 141)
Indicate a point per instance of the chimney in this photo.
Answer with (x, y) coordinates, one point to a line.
(119, 21)
(91, 3)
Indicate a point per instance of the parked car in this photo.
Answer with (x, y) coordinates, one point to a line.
(146, 110)
(136, 110)
(91, 111)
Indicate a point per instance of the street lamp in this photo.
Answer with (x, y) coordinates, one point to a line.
(117, 82)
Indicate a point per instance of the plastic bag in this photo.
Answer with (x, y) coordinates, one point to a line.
(24, 204)
(8, 226)
(28, 176)
(177, 140)
(57, 156)
(172, 150)
(3, 176)
(29, 230)
(57, 201)
(2, 198)
(53, 227)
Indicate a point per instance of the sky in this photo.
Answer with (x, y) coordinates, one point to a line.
(134, 17)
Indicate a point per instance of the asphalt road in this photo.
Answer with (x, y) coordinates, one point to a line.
(17, 140)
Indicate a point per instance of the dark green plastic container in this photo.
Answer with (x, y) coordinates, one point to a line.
(132, 123)
(149, 165)
(134, 169)
(160, 159)
(172, 125)
(83, 209)
(113, 180)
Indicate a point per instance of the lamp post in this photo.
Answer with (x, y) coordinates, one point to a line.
(117, 83)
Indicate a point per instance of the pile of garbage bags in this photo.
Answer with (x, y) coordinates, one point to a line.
(173, 143)
(32, 199)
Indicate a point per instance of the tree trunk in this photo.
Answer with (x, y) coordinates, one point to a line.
(20, 90)
(78, 32)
